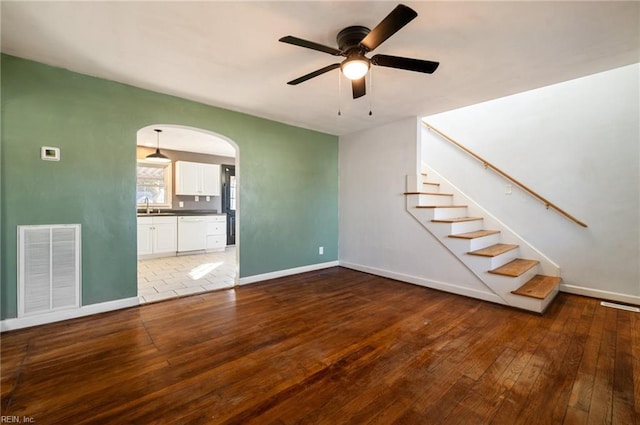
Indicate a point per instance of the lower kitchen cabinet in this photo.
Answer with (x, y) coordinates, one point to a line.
(166, 236)
(216, 233)
(157, 236)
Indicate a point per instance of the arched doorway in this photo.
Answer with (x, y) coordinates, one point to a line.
(184, 235)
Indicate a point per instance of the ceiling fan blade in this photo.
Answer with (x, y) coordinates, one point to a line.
(358, 87)
(310, 45)
(417, 65)
(314, 74)
(398, 18)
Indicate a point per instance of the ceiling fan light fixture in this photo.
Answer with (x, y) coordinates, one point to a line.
(355, 41)
(157, 156)
(354, 69)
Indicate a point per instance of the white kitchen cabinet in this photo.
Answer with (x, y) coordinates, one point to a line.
(216, 232)
(165, 235)
(195, 178)
(145, 236)
(157, 236)
(211, 179)
(187, 178)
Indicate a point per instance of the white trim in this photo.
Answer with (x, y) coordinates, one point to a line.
(288, 272)
(57, 316)
(433, 284)
(597, 293)
(620, 306)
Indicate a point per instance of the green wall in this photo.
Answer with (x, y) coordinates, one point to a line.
(288, 176)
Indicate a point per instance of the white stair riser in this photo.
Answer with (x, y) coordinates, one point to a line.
(432, 213)
(465, 226)
(430, 200)
(476, 243)
(444, 213)
(442, 230)
(526, 303)
(490, 263)
(427, 214)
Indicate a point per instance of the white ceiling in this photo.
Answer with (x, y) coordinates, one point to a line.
(227, 54)
(186, 139)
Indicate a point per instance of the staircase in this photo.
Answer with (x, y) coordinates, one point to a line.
(516, 272)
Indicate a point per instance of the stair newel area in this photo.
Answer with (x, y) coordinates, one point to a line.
(515, 271)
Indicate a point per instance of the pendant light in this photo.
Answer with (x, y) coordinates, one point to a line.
(157, 156)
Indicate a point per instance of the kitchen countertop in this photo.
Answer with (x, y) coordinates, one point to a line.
(165, 213)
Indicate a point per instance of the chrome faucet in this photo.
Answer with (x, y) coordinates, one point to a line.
(146, 199)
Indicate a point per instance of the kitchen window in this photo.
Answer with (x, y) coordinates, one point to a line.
(153, 185)
(232, 193)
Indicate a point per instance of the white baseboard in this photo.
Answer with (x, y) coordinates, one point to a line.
(288, 272)
(599, 294)
(57, 316)
(433, 284)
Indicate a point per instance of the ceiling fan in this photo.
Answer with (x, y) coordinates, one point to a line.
(355, 42)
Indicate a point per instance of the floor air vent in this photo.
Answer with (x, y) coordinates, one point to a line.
(48, 268)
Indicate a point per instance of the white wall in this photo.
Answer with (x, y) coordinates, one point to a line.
(377, 234)
(576, 143)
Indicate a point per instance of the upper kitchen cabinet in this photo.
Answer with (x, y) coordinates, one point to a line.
(195, 178)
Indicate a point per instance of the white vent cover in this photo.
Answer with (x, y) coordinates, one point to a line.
(48, 268)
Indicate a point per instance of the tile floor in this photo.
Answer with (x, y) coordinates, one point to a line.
(170, 277)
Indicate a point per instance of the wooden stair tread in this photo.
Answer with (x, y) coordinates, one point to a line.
(441, 206)
(493, 250)
(539, 286)
(429, 193)
(476, 234)
(456, 220)
(515, 268)
(432, 183)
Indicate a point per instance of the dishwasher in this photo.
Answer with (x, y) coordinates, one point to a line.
(191, 233)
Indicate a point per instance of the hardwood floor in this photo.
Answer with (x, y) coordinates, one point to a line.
(329, 347)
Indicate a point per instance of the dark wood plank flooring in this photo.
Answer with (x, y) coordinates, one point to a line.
(329, 347)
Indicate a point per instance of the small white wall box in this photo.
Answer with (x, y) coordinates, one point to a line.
(49, 153)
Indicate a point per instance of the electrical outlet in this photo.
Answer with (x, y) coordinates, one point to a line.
(197, 198)
(181, 204)
(321, 250)
(208, 198)
(507, 189)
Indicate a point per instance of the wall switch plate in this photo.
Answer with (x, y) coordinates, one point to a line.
(321, 250)
(181, 204)
(197, 198)
(507, 189)
(208, 198)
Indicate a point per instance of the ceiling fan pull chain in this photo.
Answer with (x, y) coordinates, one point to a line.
(339, 94)
(370, 92)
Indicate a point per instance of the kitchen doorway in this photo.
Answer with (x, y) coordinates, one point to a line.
(167, 267)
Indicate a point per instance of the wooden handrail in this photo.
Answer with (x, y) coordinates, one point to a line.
(548, 204)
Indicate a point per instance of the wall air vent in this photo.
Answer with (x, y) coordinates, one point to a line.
(48, 268)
